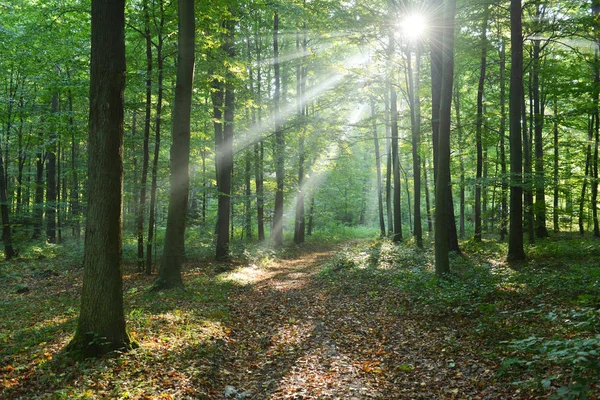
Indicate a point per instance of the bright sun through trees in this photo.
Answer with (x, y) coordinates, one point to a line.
(413, 26)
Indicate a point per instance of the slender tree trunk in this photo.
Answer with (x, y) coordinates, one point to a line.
(416, 143)
(51, 177)
(528, 174)
(259, 147)
(588, 162)
(299, 222)
(555, 216)
(388, 170)
(596, 134)
(74, 191)
(461, 162)
(538, 117)
(443, 180)
(479, 126)
(502, 133)
(515, 238)
(157, 128)
(173, 252)
(101, 323)
(378, 169)
(225, 166)
(146, 150)
(427, 200)
(277, 233)
(9, 252)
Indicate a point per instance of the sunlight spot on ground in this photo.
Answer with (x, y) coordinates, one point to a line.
(246, 275)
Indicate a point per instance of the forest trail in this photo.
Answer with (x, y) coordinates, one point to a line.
(296, 336)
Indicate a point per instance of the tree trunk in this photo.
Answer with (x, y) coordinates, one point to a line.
(277, 233)
(515, 238)
(51, 176)
(173, 252)
(502, 133)
(101, 323)
(224, 148)
(555, 216)
(596, 134)
(299, 222)
(388, 170)
(461, 162)
(479, 125)
(158, 124)
(146, 150)
(538, 117)
(259, 148)
(443, 181)
(427, 200)
(528, 172)
(378, 169)
(9, 252)
(414, 78)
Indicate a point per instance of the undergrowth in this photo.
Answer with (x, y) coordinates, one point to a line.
(542, 320)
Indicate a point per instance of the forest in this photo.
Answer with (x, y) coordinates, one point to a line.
(300, 199)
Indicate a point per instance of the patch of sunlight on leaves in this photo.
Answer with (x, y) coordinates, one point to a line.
(244, 276)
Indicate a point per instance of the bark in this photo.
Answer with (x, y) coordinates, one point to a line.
(427, 200)
(146, 150)
(378, 169)
(538, 116)
(157, 132)
(74, 191)
(277, 233)
(528, 173)
(416, 143)
(173, 252)
(596, 134)
(516, 251)
(479, 127)
(502, 133)
(9, 251)
(443, 181)
(555, 216)
(51, 176)
(259, 149)
(101, 323)
(388, 170)
(459, 130)
(299, 222)
(225, 149)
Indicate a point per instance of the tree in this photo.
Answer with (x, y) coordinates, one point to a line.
(277, 233)
(173, 252)
(101, 323)
(443, 181)
(516, 251)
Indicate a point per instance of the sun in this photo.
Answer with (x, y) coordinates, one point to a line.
(413, 26)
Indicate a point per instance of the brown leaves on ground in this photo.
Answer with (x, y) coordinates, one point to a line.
(274, 331)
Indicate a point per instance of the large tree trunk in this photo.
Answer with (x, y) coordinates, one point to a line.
(443, 182)
(436, 39)
(158, 124)
(596, 134)
(101, 323)
(277, 233)
(515, 238)
(173, 252)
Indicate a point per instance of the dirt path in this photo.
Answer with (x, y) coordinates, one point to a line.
(297, 337)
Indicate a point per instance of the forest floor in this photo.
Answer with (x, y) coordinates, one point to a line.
(316, 322)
